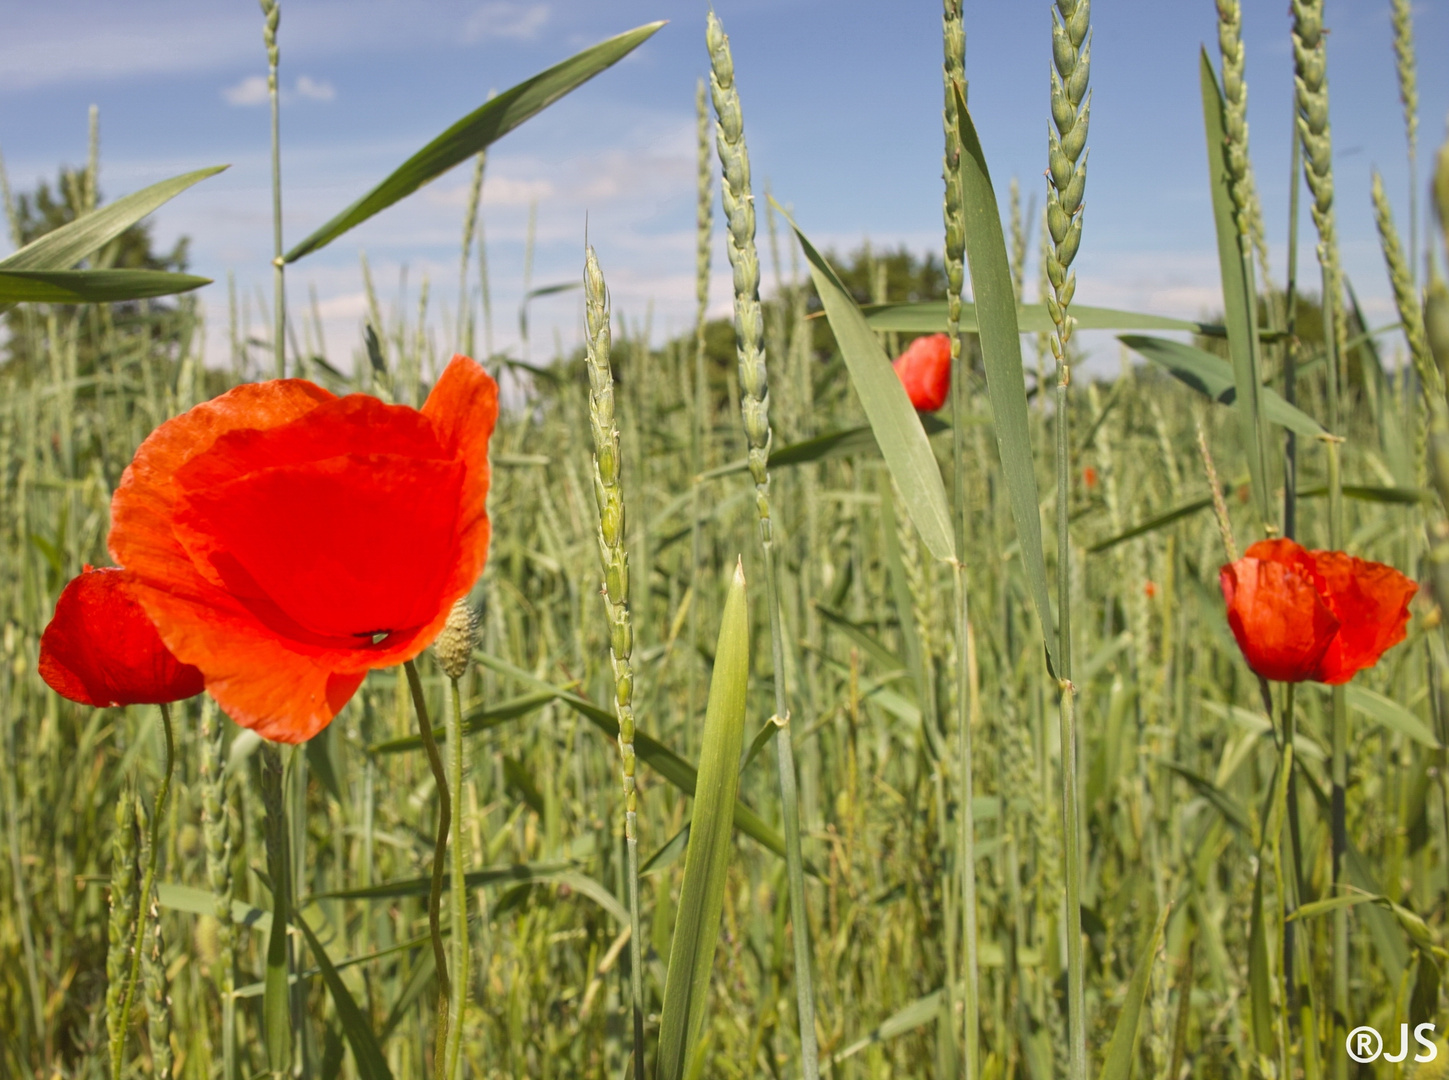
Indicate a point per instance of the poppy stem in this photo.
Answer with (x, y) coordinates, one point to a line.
(440, 855)
(118, 1050)
(458, 889)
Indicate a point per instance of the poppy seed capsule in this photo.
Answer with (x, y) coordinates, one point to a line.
(454, 647)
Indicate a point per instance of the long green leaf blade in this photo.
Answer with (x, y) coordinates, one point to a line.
(62, 248)
(371, 1064)
(706, 861)
(1122, 1050)
(1213, 377)
(1239, 305)
(1001, 353)
(929, 317)
(91, 286)
(659, 757)
(478, 130)
(897, 428)
(1391, 715)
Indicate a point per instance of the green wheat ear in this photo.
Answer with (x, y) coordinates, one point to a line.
(1071, 105)
(124, 909)
(1406, 296)
(1247, 209)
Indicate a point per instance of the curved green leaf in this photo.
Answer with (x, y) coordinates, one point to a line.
(898, 431)
(1213, 377)
(479, 129)
(1001, 353)
(62, 248)
(1240, 309)
(659, 757)
(371, 1065)
(706, 860)
(929, 317)
(1122, 1050)
(91, 286)
(1391, 715)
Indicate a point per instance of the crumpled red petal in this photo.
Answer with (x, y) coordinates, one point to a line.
(101, 649)
(1371, 600)
(1274, 611)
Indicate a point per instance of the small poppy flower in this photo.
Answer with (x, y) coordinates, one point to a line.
(101, 649)
(1089, 477)
(925, 371)
(1319, 615)
(286, 541)
(1150, 589)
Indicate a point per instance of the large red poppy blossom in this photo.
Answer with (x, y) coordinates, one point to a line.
(286, 541)
(925, 371)
(101, 649)
(1319, 615)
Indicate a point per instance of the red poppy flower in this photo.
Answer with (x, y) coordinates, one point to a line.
(1089, 477)
(286, 541)
(1319, 615)
(925, 371)
(100, 648)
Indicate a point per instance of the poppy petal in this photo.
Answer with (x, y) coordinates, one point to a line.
(463, 409)
(349, 548)
(101, 649)
(925, 371)
(1371, 600)
(1281, 624)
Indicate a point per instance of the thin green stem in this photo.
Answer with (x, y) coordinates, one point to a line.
(458, 888)
(1290, 342)
(272, 10)
(790, 803)
(440, 856)
(1339, 770)
(148, 882)
(967, 839)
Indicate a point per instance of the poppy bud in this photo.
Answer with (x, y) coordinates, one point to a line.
(454, 647)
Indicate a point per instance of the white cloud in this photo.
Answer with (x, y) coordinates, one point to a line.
(505, 19)
(250, 91)
(315, 89)
(253, 90)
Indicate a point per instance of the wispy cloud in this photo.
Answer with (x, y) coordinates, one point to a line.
(252, 90)
(505, 19)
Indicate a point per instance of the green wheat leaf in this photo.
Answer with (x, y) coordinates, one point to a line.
(706, 861)
(1001, 352)
(479, 129)
(898, 431)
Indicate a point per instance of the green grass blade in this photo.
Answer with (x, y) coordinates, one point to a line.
(706, 862)
(202, 902)
(847, 441)
(1391, 715)
(1239, 304)
(1001, 352)
(371, 1065)
(897, 428)
(475, 721)
(511, 874)
(1221, 801)
(1333, 903)
(1213, 377)
(478, 130)
(929, 317)
(1122, 1050)
(918, 1013)
(91, 286)
(1152, 524)
(1260, 1002)
(659, 757)
(62, 248)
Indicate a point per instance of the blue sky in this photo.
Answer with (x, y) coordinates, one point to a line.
(842, 116)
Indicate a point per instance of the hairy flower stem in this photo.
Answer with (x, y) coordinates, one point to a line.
(276, 1013)
(953, 73)
(609, 494)
(755, 410)
(457, 888)
(440, 859)
(272, 11)
(148, 882)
